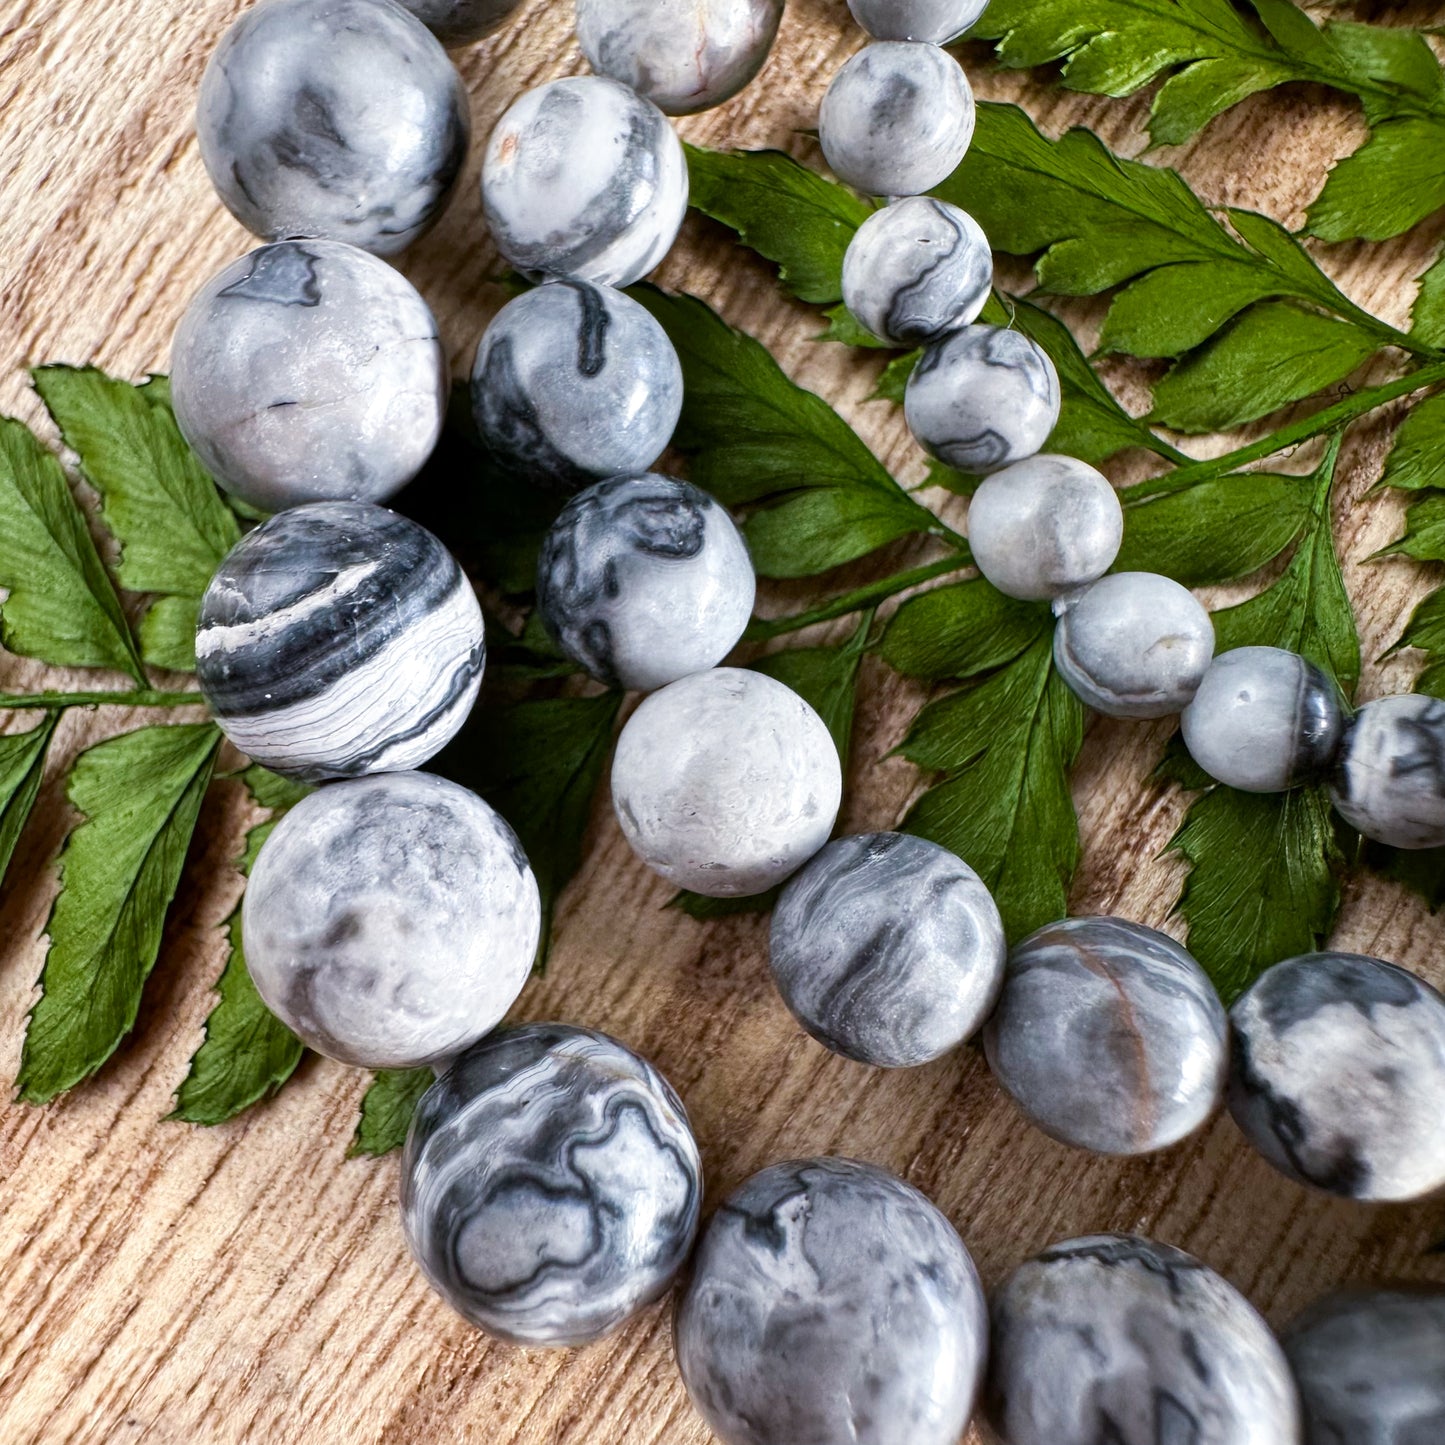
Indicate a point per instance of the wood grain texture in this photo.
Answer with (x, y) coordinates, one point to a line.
(164, 1283)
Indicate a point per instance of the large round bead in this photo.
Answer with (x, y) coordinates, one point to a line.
(459, 22)
(934, 21)
(1390, 780)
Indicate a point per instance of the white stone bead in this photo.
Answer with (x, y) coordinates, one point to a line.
(935, 21)
(1391, 778)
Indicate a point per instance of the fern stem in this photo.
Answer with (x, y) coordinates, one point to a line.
(134, 697)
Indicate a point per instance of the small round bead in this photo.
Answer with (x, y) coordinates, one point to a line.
(1115, 1338)
(726, 782)
(460, 22)
(682, 55)
(830, 1301)
(583, 179)
(1390, 780)
(391, 921)
(1044, 526)
(982, 399)
(1134, 644)
(551, 1185)
(612, 410)
(1264, 720)
(341, 119)
(1338, 1073)
(897, 118)
(917, 270)
(643, 580)
(935, 21)
(338, 639)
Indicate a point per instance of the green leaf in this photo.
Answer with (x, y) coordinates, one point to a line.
(168, 633)
(1417, 457)
(893, 379)
(826, 678)
(1394, 180)
(22, 766)
(959, 631)
(1424, 538)
(1427, 316)
(705, 909)
(386, 1110)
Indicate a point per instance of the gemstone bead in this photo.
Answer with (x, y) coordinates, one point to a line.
(1390, 779)
(460, 22)
(936, 21)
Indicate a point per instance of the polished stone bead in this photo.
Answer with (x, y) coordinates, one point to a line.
(1134, 644)
(982, 399)
(1390, 778)
(1338, 1073)
(341, 119)
(550, 1185)
(391, 921)
(917, 270)
(1264, 720)
(888, 949)
(460, 22)
(643, 580)
(897, 118)
(584, 180)
(1116, 1339)
(831, 1302)
(726, 782)
(574, 382)
(338, 639)
(934, 21)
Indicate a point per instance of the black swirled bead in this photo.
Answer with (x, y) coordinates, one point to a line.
(1390, 778)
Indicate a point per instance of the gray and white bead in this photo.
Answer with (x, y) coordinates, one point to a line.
(1338, 1073)
(1115, 1338)
(1390, 780)
(982, 399)
(934, 21)
(1044, 527)
(574, 382)
(391, 921)
(830, 1301)
(584, 180)
(682, 55)
(460, 22)
(1134, 644)
(338, 639)
(726, 782)
(551, 1185)
(916, 270)
(897, 118)
(1264, 720)
(309, 371)
(888, 949)
(1109, 1036)
(341, 119)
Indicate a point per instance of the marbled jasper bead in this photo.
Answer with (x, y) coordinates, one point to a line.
(335, 118)
(982, 399)
(1109, 1036)
(338, 639)
(916, 270)
(583, 179)
(459, 22)
(643, 580)
(1117, 1339)
(682, 55)
(1264, 720)
(309, 371)
(888, 949)
(831, 1302)
(1134, 644)
(726, 782)
(1338, 1073)
(897, 118)
(1390, 779)
(574, 382)
(551, 1184)
(391, 921)
(934, 21)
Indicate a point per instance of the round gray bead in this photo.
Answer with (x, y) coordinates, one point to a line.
(682, 55)
(934, 21)
(583, 179)
(573, 382)
(550, 1185)
(341, 119)
(897, 118)
(460, 22)
(1109, 1036)
(1264, 720)
(830, 1301)
(982, 399)
(338, 639)
(726, 782)
(643, 580)
(888, 949)
(916, 270)
(1118, 1339)
(1337, 1075)
(1390, 780)
(391, 921)
(1134, 644)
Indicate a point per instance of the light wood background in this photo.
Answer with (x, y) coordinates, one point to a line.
(164, 1283)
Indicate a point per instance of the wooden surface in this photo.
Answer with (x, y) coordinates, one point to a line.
(164, 1283)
